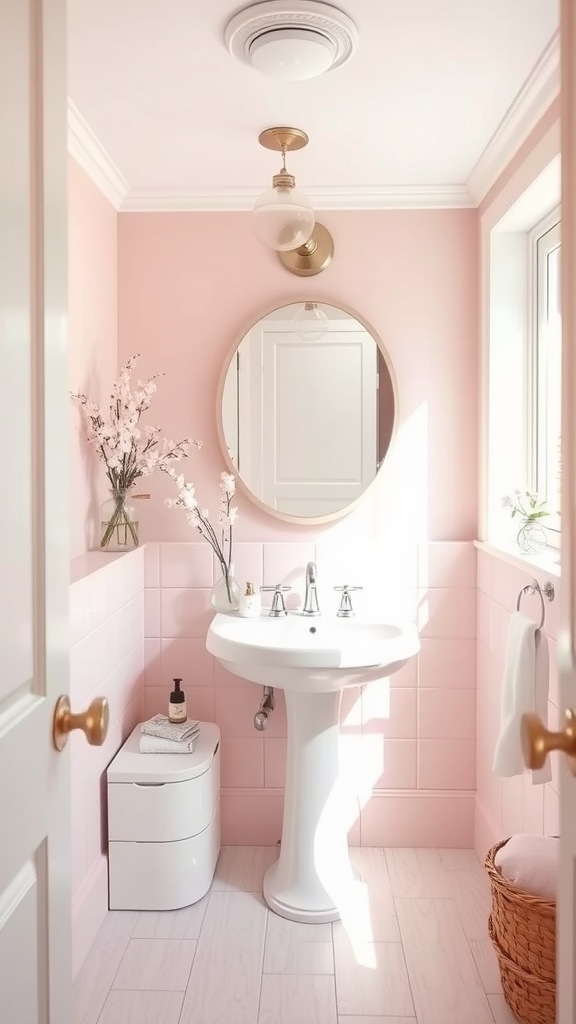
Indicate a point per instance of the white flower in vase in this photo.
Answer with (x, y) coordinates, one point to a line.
(128, 450)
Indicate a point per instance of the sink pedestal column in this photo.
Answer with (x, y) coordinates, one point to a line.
(314, 871)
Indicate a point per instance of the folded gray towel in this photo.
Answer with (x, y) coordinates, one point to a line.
(161, 726)
(156, 745)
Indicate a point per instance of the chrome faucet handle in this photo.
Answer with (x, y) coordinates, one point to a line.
(278, 607)
(346, 610)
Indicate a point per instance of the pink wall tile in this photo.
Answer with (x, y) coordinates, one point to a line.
(444, 765)
(398, 765)
(551, 812)
(407, 676)
(235, 708)
(513, 816)
(224, 678)
(151, 565)
(188, 659)
(447, 662)
(447, 613)
(445, 714)
(109, 661)
(443, 564)
(242, 762)
(390, 712)
(274, 762)
(152, 661)
(152, 625)
(418, 821)
(185, 612)
(248, 560)
(251, 819)
(199, 702)
(508, 805)
(186, 565)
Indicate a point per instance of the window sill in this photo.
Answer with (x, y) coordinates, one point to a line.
(548, 560)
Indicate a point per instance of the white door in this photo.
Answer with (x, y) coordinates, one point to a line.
(566, 983)
(35, 962)
(539, 736)
(319, 418)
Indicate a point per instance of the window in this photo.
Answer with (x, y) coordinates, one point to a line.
(545, 360)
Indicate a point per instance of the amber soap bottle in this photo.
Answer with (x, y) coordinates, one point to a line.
(177, 705)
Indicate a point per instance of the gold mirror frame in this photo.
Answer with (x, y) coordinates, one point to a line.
(231, 468)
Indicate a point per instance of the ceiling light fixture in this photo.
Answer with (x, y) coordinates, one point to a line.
(291, 39)
(284, 219)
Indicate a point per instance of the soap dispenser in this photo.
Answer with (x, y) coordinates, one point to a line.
(250, 603)
(177, 705)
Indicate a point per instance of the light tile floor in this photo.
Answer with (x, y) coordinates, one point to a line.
(412, 948)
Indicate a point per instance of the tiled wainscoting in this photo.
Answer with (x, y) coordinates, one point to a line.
(106, 659)
(409, 739)
(508, 806)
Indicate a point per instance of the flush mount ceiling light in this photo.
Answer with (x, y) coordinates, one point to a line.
(291, 39)
(283, 216)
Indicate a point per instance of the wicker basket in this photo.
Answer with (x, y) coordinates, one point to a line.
(523, 932)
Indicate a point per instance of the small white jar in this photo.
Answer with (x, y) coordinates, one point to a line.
(250, 603)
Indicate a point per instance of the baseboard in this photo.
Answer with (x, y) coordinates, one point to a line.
(89, 908)
(422, 818)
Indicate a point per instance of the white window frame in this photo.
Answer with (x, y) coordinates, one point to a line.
(543, 239)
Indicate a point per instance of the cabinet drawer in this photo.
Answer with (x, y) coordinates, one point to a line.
(163, 876)
(165, 812)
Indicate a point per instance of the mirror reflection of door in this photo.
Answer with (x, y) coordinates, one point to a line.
(307, 411)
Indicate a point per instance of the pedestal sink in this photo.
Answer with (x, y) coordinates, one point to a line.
(312, 660)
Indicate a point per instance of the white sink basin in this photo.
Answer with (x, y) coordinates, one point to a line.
(313, 654)
(312, 659)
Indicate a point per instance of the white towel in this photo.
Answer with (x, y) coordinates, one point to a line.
(524, 688)
(156, 745)
(161, 726)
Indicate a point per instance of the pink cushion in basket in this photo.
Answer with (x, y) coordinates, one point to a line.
(531, 863)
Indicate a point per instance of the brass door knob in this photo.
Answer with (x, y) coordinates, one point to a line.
(538, 741)
(93, 722)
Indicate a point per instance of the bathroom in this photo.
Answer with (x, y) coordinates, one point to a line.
(175, 273)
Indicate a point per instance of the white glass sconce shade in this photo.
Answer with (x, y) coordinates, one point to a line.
(283, 218)
(310, 322)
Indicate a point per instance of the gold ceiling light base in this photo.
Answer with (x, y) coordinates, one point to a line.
(311, 258)
(283, 140)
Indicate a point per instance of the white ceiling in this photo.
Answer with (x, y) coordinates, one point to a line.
(176, 118)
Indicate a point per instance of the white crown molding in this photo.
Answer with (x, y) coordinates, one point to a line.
(539, 90)
(392, 197)
(88, 151)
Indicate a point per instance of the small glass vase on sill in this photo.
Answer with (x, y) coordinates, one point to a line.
(225, 596)
(531, 538)
(118, 522)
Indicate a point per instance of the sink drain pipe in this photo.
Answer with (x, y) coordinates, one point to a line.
(267, 705)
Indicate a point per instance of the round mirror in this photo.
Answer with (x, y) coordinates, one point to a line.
(306, 410)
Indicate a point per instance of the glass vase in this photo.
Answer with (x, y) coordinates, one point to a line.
(118, 523)
(531, 538)
(225, 596)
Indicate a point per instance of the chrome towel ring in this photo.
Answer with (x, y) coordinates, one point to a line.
(535, 588)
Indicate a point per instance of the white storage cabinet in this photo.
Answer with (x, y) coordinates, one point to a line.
(163, 824)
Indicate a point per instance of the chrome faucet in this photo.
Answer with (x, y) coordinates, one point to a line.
(311, 598)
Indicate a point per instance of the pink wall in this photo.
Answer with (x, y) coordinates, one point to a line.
(106, 659)
(188, 284)
(93, 333)
(507, 806)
